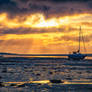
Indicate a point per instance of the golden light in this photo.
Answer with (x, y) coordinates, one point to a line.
(54, 29)
(39, 21)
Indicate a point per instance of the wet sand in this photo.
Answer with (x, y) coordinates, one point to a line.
(29, 73)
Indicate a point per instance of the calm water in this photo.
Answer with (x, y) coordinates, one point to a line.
(37, 69)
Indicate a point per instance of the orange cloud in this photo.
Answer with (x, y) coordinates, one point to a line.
(39, 21)
(45, 42)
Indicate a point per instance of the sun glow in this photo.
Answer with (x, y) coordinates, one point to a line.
(39, 21)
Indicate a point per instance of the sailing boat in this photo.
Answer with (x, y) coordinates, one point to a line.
(76, 55)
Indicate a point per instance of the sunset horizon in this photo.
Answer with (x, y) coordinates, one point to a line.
(44, 27)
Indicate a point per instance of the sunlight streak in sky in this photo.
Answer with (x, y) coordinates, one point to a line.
(52, 34)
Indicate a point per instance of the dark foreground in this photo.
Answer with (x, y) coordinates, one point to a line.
(33, 75)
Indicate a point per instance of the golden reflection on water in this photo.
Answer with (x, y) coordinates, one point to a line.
(48, 82)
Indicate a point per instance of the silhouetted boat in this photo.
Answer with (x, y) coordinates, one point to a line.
(76, 55)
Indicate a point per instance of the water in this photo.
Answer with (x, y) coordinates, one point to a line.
(76, 74)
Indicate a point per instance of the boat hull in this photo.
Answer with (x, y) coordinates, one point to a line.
(76, 56)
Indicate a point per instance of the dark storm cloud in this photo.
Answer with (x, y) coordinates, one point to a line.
(56, 7)
(7, 6)
(48, 7)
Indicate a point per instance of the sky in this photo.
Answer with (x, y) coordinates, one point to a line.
(45, 26)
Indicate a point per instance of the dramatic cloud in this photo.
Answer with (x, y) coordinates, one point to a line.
(44, 26)
(48, 7)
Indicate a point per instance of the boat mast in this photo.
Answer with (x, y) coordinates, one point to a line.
(79, 39)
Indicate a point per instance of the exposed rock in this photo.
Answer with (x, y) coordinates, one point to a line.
(13, 85)
(22, 85)
(56, 81)
(2, 84)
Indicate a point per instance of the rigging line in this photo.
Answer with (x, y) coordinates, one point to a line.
(83, 42)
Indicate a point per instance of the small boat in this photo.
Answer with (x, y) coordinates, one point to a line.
(76, 55)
